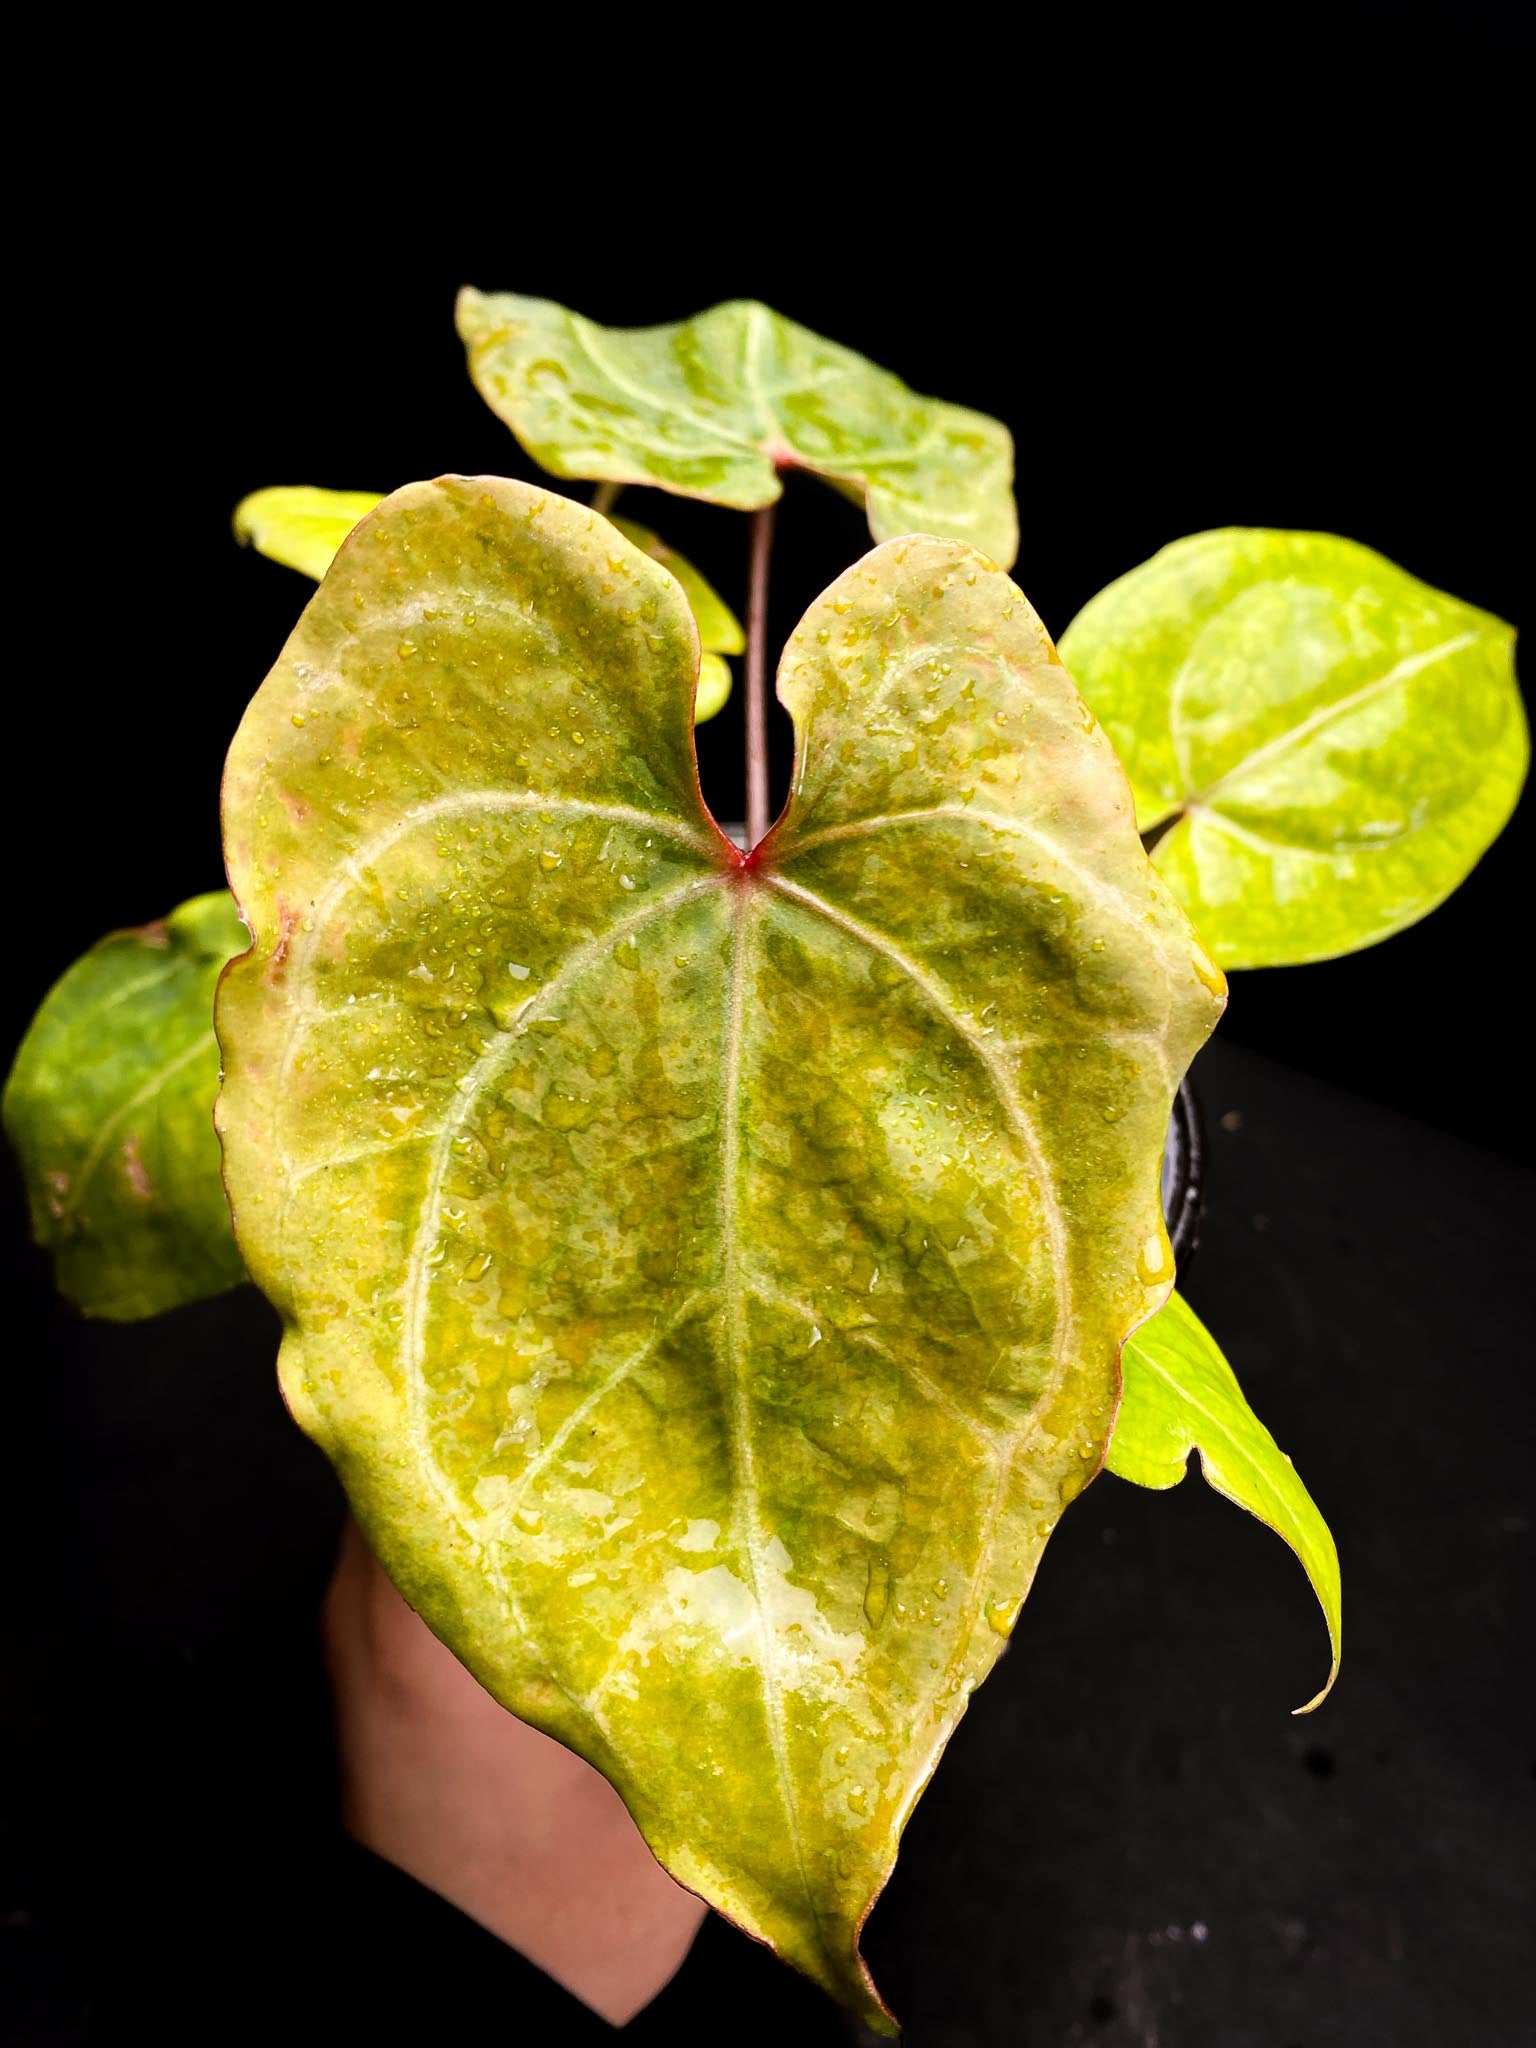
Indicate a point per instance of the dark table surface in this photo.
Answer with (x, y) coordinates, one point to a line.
(1129, 1842)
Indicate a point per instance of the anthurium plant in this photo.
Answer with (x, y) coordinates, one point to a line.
(713, 1268)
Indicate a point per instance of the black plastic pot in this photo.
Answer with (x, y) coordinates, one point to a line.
(1184, 1175)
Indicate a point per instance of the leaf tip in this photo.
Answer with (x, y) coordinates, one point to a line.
(1317, 1698)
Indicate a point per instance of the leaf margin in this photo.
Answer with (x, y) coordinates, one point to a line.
(1174, 819)
(1153, 1441)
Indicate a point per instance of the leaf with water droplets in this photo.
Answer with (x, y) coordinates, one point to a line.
(1181, 1396)
(1323, 745)
(302, 528)
(109, 1107)
(715, 407)
(708, 1273)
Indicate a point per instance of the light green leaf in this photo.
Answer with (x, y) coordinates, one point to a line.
(302, 528)
(719, 629)
(715, 407)
(714, 691)
(1326, 745)
(300, 525)
(110, 1109)
(1181, 1396)
(707, 1272)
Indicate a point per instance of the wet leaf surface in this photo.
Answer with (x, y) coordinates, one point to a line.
(708, 1273)
(110, 1109)
(302, 528)
(716, 406)
(1325, 744)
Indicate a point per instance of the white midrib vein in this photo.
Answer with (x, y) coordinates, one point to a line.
(114, 1123)
(1218, 821)
(987, 1057)
(744, 1491)
(1325, 715)
(352, 875)
(417, 1284)
(1110, 900)
(546, 1456)
(1024, 1130)
(719, 433)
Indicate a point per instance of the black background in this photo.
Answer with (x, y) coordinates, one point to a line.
(1289, 296)
(1285, 293)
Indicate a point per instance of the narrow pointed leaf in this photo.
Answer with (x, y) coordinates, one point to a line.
(302, 528)
(109, 1107)
(715, 407)
(707, 1273)
(1181, 1396)
(1327, 744)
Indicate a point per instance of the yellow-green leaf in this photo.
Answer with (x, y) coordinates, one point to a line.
(714, 689)
(302, 528)
(1325, 744)
(300, 525)
(707, 1271)
(715, 407)
(719, 629)
(110, 1109)
(1181, 1396)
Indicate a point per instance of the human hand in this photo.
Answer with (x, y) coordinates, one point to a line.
(509, 1826)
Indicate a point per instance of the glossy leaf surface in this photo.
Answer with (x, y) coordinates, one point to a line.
(707, 1273)
(302, 527)
(1328, 744)
(715, 407)
(1181, 1396)
(110, 1110)
(720, 631)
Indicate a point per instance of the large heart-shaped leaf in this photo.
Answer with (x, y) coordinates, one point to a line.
(302, 527)
(1181, 1396)
(716, 406)
(110, 1109)
(1325, 745)
(103, 1055)
(707, 1272)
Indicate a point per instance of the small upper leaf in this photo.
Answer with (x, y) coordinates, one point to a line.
(110, 1109)
(720, 631)
(1326, 744)
(302, 527)
(719, 628)
(716, 406)
(1181, 1395)
(708, 1272)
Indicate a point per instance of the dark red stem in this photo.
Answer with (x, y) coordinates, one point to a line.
(757, 677)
